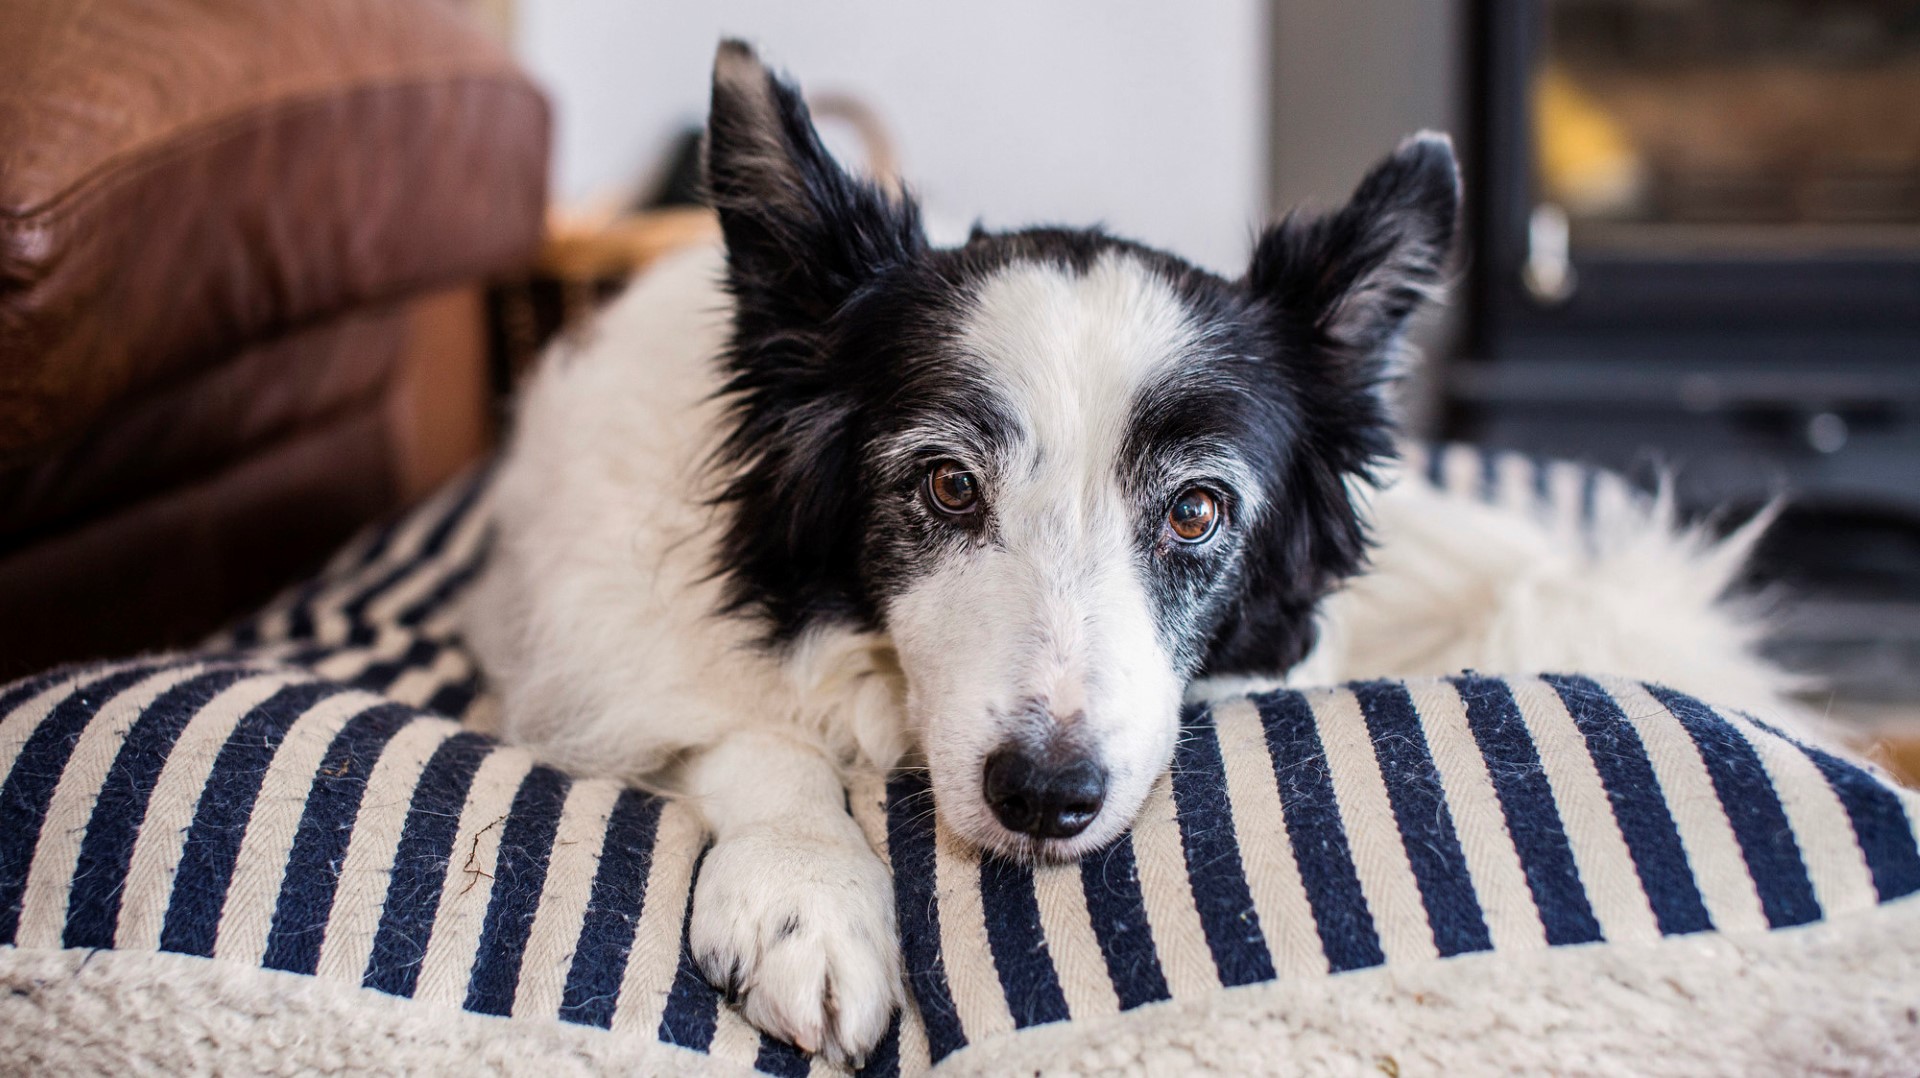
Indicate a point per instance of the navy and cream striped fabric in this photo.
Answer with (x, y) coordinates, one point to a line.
(302, 796)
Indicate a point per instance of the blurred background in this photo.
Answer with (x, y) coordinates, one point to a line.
(1147, 115)
(1185, 126)
(1693, 244)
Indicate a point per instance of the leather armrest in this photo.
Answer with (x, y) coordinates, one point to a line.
(181, 177)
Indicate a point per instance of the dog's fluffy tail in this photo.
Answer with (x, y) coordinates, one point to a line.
(1458, 584)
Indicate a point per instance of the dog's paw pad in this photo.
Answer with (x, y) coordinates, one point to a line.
(799, 933)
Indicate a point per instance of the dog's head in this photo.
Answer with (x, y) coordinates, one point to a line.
(1063, 472)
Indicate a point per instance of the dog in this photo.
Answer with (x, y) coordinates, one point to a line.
(845, 496)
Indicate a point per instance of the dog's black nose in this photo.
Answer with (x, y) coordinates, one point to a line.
(1044, 797)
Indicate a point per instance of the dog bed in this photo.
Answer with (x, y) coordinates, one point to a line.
(292, 851)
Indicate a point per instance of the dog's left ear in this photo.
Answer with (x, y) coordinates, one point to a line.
(801, 233)
(1352, 278)
(1338, 289)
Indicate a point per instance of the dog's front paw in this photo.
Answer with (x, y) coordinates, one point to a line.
(798, 930)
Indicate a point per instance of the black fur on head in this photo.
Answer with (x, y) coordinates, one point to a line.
(844, 328)
(804, 240)
(1337, 290)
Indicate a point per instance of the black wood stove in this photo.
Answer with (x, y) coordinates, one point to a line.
(1697, 246)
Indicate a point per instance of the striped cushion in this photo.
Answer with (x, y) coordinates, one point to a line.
(275, 840)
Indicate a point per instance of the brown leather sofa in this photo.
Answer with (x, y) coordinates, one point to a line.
(242, 246)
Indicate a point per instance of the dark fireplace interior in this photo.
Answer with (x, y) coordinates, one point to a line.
(1697, 248)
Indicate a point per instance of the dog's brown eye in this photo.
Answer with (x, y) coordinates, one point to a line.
(952, 488)
(1194, 516)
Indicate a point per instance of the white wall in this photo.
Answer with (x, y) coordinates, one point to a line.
(1149, 116)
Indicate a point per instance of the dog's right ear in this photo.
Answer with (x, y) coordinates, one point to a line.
(801, 233)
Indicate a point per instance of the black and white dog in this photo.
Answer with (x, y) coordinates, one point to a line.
(998, 503)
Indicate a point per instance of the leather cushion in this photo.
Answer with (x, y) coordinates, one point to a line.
(195, 426)
(178, 177)
(167, 570)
